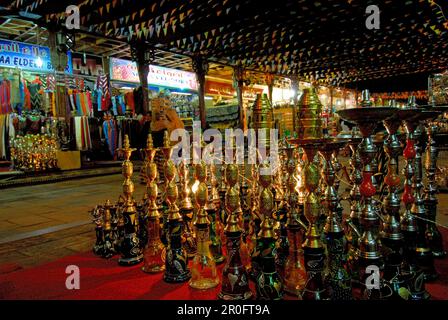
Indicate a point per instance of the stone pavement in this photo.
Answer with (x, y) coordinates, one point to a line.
(42, 223)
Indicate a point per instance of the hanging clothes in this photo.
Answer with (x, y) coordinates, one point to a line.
(110, 134)
(82, 133)
(5, 96)
(35, 96)
(16, 100)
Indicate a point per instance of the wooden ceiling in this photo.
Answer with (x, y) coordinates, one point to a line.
(327, 40)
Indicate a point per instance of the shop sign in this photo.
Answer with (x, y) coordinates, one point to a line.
(26, 56)
(85, 64)
(226, 89)
(125, 70)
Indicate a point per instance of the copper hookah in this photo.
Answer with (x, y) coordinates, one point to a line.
(366, 118)
(130, 249)
(280, 217)
(154, 250)
(337, 278)
(294, 272)
(203, 270)
(186, 210)
(176, 261)
(268, 282)
(432, 233)
(235, 281)
(215, 227)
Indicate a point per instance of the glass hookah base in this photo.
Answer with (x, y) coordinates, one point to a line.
(204, 283)
(130, 261)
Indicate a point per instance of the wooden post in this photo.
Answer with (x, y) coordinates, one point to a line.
(238, 84)
(143, 56)
(200, 67)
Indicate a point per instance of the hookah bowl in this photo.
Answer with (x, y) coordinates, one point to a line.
(268, 282)
(314, 252)
(369, 254)
(130, 249)
(176, 261)
(337, 279)
(432, 233)
(186, 210)
(203, 268)
(235, 281)
(154, 250)
(294, 272)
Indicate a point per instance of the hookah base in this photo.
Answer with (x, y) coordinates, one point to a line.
(153, 269)
(204, 284)
(219, 259)
(294, 292)
(177, 278)
(232, 296)
(130, 261)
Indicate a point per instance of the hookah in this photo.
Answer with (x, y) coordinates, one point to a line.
(432, 233)
(154, 250)
(186, 210)
(268, 283)
(131, 252)
(99, 233)
(366, 118)
(409, 224)
(167, 151)
(391, 234)
(108, 248)
(295, 273)
(176, 261)
(338, 279)
(203, 269)
(215, 227)
(424, 256)
(235, 281)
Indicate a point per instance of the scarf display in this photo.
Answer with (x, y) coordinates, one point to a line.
(110, 134)
(82, 133)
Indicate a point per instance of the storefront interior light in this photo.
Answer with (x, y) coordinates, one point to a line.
(181, 93)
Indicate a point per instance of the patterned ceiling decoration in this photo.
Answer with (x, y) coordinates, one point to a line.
(324, 40)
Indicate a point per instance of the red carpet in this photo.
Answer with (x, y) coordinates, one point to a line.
(104, 279)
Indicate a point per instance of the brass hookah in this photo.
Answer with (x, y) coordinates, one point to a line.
(154, 250)
(167, 151)
(235, 281)
(176, 261)
(186, 210)
(108, 247)
(268, 283)
(97, 215)
(131, 252)
(337, 277)
(203, 269)
(294, 272)
(212, 208)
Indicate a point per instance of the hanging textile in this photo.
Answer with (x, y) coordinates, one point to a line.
(16, 100)
(5, 96)
(103, 92)
(82, 133)
(110, 134)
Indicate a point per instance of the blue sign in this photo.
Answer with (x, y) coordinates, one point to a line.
(28, 56)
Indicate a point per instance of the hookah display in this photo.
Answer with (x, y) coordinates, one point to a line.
(268, 283)
(34, 152)
(176, 261)
(130, 249)
(186, 210)
(366, 118)
(203, 269)
(235, 281)
(154, 250)
(294, 273)
(167, 151)
(337, 279)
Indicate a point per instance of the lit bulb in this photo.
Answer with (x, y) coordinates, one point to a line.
(39, 62)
